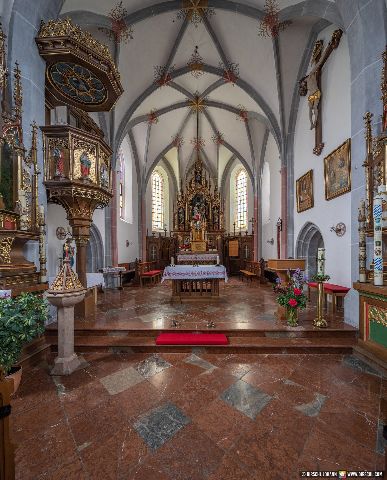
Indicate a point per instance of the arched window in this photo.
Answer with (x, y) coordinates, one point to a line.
(241, 200)
(121, 187)
(157, 201)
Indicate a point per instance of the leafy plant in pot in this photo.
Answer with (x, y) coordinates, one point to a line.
(21, 321)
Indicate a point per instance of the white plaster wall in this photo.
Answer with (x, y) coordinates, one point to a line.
(272, 202)
(127, 230)
(336, 121)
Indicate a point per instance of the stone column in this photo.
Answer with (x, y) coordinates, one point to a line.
(114, 244)
(284, 211)
(256, 227)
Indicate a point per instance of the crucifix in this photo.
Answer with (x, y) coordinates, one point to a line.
(310, 86)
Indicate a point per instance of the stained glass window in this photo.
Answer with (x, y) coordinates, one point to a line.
(122, 184)
(157, 201)
(241, 200)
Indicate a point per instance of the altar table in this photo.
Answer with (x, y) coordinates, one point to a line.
(201, 258)
(195, 283)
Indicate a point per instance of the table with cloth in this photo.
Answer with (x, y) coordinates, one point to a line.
(195, 282)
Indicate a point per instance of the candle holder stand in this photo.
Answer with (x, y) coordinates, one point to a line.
(319, 321)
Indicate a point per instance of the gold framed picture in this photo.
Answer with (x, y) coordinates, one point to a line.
(337, 171)
(304, 192)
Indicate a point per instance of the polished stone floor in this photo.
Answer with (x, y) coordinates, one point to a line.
(241, 306)
(196, 416)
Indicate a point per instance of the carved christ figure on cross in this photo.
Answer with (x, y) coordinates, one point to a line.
(310, 85)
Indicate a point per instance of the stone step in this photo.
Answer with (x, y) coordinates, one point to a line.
(35, 352)
(116, 343)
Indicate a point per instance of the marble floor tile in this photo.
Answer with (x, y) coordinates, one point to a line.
(246, 398)
(199, 362)
(152, 366)
(160, 425)
(122, 380)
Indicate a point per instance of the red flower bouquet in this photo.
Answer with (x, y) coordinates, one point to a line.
(291, 296)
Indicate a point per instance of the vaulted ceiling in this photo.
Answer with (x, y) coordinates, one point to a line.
(266, 88)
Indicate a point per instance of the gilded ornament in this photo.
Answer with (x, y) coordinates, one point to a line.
(65, 28)
(5, 249)
(378, 315)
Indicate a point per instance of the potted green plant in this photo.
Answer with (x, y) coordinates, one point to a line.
(21, 321)
(291, 296)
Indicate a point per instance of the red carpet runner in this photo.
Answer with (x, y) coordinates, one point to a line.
(192, 339)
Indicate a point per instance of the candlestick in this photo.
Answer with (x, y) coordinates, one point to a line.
(362, 243)
(378, 248)
(321, 261)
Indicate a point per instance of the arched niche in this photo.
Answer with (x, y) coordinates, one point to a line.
(309, 241)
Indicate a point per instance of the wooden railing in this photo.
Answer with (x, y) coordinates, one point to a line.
(7, 453)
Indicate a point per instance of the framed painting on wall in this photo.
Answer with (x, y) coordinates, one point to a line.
(337, 171)
(304, 192)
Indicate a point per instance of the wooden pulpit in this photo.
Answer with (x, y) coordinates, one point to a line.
(284, 265)
(7, 451)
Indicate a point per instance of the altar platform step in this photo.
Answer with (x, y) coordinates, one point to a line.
(237, 344)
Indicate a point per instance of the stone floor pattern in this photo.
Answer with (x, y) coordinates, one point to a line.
(196, 416)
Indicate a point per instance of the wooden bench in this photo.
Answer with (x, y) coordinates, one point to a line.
(129, 274)
(337, 292)
(251, 271)
(148, 270)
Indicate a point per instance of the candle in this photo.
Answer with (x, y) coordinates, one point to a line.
(362, 244)
(217, 260)
(173, 261)
(41, 213)
(321, 261)
(378, 248)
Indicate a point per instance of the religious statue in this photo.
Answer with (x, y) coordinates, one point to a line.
(310, 85)
(57, 153)
(104, 176)
(85, 165)
(68, 252)
(215, 215)
(180, 214)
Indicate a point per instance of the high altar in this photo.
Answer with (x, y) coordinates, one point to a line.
(198, 223)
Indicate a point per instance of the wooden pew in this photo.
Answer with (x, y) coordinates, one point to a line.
(148, 270)
(129, 274)
(252, 270)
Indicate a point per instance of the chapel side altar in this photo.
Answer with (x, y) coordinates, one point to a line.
(195, 282)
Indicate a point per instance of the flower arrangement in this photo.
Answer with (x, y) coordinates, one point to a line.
(320, 277)
(291, 296)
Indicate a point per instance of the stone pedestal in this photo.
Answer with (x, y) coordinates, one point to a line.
(67, 360)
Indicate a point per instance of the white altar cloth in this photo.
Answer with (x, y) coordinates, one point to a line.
(189, 272)
(197, 257)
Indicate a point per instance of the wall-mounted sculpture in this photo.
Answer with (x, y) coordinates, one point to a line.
(310, 86)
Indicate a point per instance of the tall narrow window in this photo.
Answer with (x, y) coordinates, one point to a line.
(121, 188)
(157, 201)
(241, 200)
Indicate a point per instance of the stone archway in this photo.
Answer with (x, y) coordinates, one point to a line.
(94, 253)
(309, 241)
